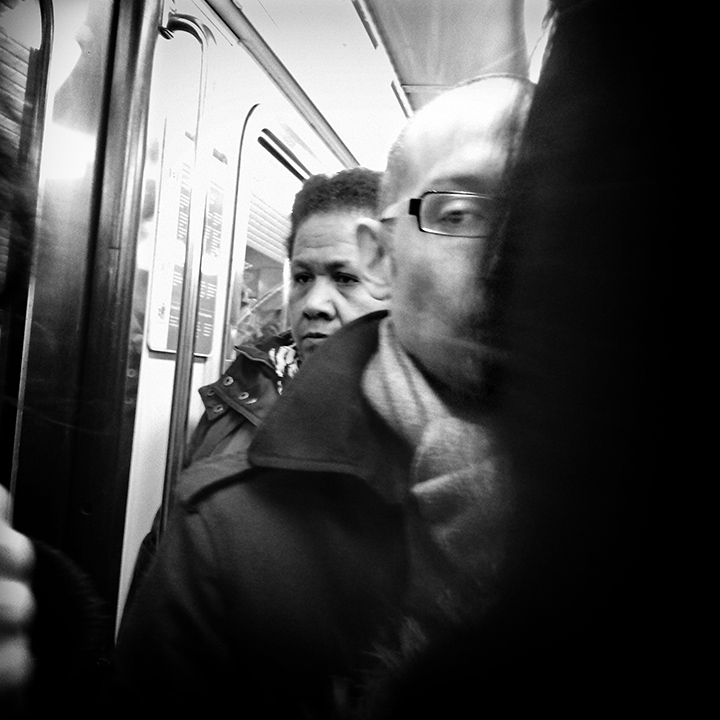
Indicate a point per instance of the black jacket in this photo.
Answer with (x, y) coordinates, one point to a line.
(279, 576)
(238, 401)
(235, 405)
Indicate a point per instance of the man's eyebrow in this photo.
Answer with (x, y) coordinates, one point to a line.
(472, 182)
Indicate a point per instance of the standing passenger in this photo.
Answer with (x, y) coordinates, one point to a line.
(592, 619)
(371, 506)
(326, 292)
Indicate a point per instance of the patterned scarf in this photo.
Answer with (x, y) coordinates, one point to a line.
(286, 361)
(462, 502)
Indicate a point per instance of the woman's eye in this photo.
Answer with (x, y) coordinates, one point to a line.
(344, 279)
(301, 278)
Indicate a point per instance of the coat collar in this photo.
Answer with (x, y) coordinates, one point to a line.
(323, 423)
(249, 386)
(261, 351)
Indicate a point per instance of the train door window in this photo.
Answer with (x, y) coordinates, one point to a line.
(181, 58)
(20, 34)
(258, 294)
(24, 67)
(19, 38)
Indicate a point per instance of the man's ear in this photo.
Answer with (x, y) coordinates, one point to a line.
(375, 260)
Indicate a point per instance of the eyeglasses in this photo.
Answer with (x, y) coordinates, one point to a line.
(459, 214)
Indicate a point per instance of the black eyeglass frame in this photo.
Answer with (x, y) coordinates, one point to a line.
(414, 205)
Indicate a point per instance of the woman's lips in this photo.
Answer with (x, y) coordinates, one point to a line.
(311, 340)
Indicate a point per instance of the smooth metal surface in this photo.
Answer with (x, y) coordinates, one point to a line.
(106, 417)
(73, 457)
(56, 344)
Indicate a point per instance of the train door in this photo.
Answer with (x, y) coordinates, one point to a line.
(66, 356)
(168, 167)
(226, 153)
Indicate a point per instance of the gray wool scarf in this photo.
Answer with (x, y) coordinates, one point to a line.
(455, 479)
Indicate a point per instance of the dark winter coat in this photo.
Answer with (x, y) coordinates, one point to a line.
(279, 577)
(238, 401)
(235, 405)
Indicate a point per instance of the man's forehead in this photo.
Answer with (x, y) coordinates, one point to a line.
(467, 131)
(485, 102)
(456, 158)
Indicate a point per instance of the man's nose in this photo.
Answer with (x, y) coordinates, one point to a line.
(320, 300)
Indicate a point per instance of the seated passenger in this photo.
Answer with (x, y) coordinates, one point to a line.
(371, 506)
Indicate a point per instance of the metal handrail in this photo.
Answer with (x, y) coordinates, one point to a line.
(189, 303)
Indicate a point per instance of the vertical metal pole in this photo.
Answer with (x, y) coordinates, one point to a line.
(188, 310)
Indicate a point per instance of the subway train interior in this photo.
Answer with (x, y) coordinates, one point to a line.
(164, 141)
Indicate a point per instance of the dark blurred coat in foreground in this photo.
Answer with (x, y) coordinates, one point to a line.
(577, 630)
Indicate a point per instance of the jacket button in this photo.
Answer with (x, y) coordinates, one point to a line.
(228, 380)
(244, 395)
(210, 391)
(218, 408)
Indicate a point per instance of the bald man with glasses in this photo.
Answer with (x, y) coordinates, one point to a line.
(369, 508)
